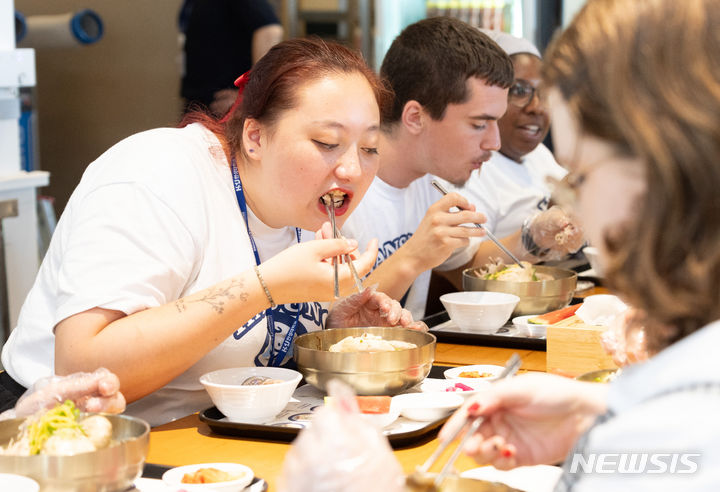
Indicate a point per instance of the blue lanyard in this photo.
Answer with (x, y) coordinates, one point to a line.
(276, 358)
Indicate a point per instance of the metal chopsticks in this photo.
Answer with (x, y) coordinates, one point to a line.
(336, 234)
(490, 235)
(511, 367)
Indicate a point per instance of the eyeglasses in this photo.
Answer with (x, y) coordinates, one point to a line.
(521, 93)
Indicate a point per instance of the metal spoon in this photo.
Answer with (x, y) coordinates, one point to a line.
(490, 235)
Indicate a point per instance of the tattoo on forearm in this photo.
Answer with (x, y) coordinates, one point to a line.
(216, 297)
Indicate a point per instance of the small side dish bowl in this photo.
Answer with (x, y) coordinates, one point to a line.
(479, 312)
(244, 475)
(428, 406)
(382, 420)
(529, 329)
(18, 483)
(250, 403)
(485, 372)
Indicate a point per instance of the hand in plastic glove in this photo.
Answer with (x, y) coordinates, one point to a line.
(529, 420)
(554, 233)
(624, 341)
(97, 391)
(371, 308)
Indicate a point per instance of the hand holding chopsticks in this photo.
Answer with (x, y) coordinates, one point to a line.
(417, 477)
(489, 234)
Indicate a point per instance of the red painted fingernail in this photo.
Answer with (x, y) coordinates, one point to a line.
(506, 453)
(474, 407)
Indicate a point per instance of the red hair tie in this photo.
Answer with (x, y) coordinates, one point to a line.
(240, 83)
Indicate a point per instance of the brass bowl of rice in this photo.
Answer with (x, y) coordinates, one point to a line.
(536, 296)
(368, 372)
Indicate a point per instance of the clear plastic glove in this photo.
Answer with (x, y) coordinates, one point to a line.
(530, 419)
(371, 308)
(624, 341)
(554, 234)
(341, 451)
(97, 391)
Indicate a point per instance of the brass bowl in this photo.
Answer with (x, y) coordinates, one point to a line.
(109, 469)
(599, 376)
(536, 297)
(455, 483)
(369, 373)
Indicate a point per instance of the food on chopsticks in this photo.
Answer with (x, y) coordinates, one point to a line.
(554, 316)
(60, 431)
(209, 475)
(496, 269)
(368, 342)
(475, 374)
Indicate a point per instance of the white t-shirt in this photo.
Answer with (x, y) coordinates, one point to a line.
(508, 192)
(154, 219)
(392, 215)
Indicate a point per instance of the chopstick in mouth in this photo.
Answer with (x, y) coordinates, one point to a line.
(330, 208)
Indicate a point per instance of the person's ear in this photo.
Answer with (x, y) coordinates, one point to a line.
(253, 138)
(413, 117)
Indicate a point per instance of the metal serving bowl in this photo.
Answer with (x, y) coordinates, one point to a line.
(599, 376)
(536, 297)
(369, 373)
(454, 483)
(110, 469)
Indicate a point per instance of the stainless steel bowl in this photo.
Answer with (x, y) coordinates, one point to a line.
(114, 468)
(369, 373)
(599, 376)
(454, 483)
(536, 297)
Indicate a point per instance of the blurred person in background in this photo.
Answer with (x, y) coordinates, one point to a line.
(450, 83)
(223, 38)
(635, 106)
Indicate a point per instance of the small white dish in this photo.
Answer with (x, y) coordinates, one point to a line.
(173, 477)
(432, 385)
(18, 483)
(531, 330)
(538, 478)
(488, 372)
(428, 406)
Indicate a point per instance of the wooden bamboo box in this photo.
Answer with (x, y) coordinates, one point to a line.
(574, 348)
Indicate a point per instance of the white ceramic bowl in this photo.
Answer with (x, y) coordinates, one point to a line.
(479, 311)
(428, 406)
(529, 329)
(251, 404)
(173, 477)
(593, 256)
(454, 372)
(18, 483)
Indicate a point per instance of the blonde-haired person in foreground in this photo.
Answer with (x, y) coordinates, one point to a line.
(634, 94)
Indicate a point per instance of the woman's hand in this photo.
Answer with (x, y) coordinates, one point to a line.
(530, 419)
(304, 272)
(371, 308)
(97, 391)
(624, 341)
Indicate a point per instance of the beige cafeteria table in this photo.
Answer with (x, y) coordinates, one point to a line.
(189, 440)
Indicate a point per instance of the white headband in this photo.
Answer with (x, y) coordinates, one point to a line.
(511, 44)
